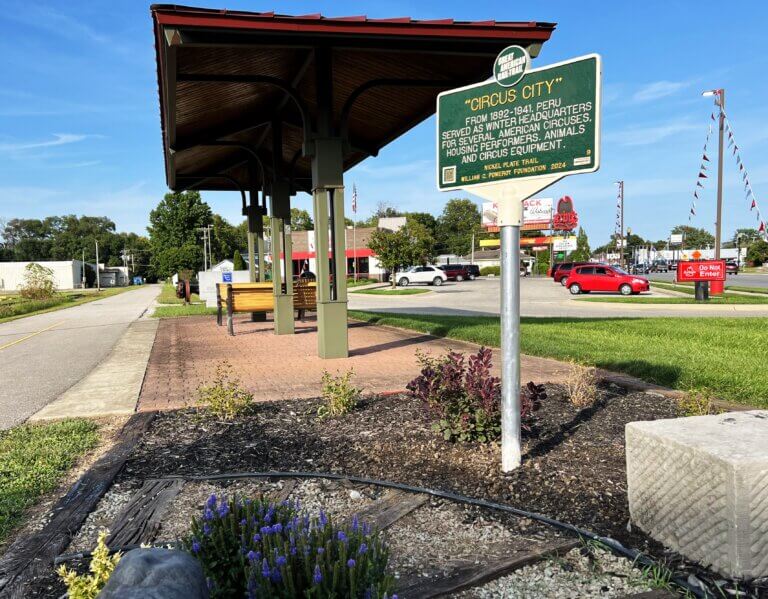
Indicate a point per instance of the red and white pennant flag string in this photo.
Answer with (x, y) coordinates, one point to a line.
(617, 228)
(702, 171)
(749, 192)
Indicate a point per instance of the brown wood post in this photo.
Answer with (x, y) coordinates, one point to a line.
(230, 310)
(218, 305)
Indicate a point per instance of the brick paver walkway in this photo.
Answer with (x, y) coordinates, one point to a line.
(272, 367)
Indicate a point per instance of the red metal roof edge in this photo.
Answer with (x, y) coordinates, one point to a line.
(176, 15)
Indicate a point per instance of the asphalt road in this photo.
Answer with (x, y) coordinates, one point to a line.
(42, 356)
(539, 297)
(742, 280)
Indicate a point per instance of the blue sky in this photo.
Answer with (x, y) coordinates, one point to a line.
(80, 130)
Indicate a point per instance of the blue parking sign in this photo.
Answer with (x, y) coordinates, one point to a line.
(226, 276)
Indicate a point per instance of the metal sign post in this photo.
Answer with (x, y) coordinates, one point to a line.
(504, 141)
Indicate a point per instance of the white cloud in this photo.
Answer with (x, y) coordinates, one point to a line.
(657, 90)
(60, 139)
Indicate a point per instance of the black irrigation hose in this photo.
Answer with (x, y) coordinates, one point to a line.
(632, 554)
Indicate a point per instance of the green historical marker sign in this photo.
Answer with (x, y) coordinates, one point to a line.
(546, 124)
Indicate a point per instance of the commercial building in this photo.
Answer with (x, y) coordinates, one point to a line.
(67, 274)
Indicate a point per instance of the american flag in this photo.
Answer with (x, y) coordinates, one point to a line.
(354, 199)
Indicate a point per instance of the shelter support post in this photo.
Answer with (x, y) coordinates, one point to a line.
(282, 286)
(330, 242)
(255, 246)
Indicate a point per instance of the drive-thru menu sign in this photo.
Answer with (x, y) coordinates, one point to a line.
(701, 270)
(546, 124)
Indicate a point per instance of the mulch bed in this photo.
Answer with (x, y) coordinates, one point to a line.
(573, 460)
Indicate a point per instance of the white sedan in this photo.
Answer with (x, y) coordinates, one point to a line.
(420, 274)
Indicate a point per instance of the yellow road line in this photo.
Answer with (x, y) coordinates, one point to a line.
(7, 345)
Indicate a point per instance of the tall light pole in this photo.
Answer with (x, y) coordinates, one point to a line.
(621, 221)
(98, 278)
(719, 95)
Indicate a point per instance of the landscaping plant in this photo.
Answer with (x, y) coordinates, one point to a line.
(225, 398)
(38, 283)
(464, 396)
(581, 385)
(88, 586)
(339, 396)
(258, 549)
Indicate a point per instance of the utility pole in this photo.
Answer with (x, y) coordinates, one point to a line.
(472, 253)
(98, 277)
(82, 269)
(621, 222)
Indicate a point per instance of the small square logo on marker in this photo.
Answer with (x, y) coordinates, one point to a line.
(449, 175)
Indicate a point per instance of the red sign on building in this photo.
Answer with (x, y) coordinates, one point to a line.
(565, 219)
(702, 270)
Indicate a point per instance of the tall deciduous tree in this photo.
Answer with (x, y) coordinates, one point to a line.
(582, 251)
(694, 238)
(174, 235)
(455, 226)
(301, 220)
(412, 244)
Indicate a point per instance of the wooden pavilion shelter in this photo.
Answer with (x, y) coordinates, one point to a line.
(270, 105)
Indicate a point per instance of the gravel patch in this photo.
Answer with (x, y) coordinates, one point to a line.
(578, 573)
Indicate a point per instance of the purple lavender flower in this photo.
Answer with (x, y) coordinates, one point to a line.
(265, 570)
(256, 538)
(341, 536)
(277, 528)
(265, 530)
(351, 563)
(195, 546)
(276, 576)
(293, 550)
(208, 515)
(252, 555)
(323, 519)
(280, 561)
(355, 523)
(320, 551)
(207, 529)
(211, 502)
(223, 510)
(243, 522)
(317, 578)
(362, 549)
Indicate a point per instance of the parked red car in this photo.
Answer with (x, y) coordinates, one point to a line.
(600, 277)
(563, 269)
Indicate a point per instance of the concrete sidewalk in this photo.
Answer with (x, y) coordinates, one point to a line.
(187, 351)
(113, 387)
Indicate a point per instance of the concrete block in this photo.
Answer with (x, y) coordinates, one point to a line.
(700, 486)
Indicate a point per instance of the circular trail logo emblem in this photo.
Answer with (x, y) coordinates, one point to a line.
(511, 65)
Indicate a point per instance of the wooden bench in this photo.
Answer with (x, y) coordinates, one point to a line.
(259, 297)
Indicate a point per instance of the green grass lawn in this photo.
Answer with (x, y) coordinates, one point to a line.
(168, 296)
(688, 288)
(360, 282)
(726, 298)
(726, 355)
(181, 310)
(34, 459)
(761, 290)
(14, 306)
(390, 291)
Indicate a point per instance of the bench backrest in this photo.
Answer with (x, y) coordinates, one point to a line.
(248, 297)
(305, 296)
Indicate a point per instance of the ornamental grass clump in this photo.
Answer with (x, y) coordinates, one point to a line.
(258, 549)
(464, 397)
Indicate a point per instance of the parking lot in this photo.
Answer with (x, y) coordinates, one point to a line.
(539, 297)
